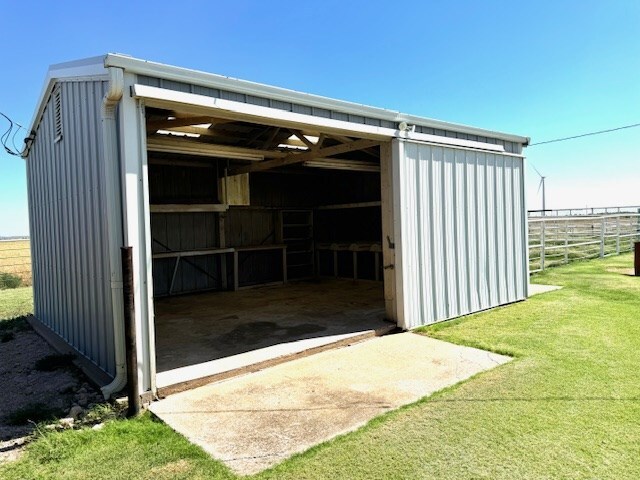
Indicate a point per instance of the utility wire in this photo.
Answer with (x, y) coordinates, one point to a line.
(7, 136)
(584, 135)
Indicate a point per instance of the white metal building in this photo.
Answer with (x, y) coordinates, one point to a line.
(220, 184)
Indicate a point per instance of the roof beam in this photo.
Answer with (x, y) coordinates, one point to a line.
(165, 124)
(294, 158)
(267, 143)
(343, 139)
(188, 147)
(300, 136)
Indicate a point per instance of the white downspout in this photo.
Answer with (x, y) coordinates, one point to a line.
(111, 165)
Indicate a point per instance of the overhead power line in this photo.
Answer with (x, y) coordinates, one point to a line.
(7, 137)
(585, 135)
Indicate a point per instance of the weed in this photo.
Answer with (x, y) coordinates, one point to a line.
(9, 280)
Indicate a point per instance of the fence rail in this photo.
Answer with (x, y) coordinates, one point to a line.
(15, 259)
(557, 241)
(581, 212)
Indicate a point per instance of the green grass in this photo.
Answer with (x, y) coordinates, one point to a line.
(15, 302)
(568, 405)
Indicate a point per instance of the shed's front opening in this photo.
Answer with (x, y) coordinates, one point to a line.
(267, 242)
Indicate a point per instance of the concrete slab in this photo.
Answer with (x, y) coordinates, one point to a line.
(537, 289)
(255, 421)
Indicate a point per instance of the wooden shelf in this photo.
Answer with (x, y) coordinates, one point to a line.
(192, 253)
(350, 205)
(188, 207)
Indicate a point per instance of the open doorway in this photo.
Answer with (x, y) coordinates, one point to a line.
(266, 241)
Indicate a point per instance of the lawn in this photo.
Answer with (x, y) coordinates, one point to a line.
(568, 406)
(15, 302)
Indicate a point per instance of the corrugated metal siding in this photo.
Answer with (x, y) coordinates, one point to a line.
(71, 279)
(462, 221)
(314, 111)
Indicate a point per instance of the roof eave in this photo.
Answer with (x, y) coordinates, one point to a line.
(88, 67)
(179, 74)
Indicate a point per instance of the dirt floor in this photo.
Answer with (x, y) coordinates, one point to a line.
(38, 386)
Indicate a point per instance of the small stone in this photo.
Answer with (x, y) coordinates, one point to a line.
(66, 388)
(66, 422)
(83, 400)
(76, 411)
(50, 427)
(98, 426)
(82, 390)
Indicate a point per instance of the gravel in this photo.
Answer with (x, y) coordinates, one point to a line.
(65, 390)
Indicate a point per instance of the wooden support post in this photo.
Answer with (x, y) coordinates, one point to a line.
(355, 265)
(222, 243)
(130, 332)
(284, 265)
(173, 277)
(236, 282)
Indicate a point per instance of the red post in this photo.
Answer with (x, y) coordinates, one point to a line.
(636, 259)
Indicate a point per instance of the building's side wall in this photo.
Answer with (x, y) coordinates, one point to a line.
(71, 278)
(462, 237)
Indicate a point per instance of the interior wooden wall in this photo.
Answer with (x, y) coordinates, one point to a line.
(257, 224)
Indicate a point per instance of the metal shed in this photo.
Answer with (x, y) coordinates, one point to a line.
(222, 185)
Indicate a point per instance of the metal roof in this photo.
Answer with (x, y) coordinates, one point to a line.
(97, 67)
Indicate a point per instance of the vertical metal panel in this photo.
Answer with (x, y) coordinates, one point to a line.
(72, 290)
(462, 219)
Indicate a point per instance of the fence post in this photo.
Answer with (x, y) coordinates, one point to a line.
(542, 229)
(602, 227)
(566, 241)
(618, 235)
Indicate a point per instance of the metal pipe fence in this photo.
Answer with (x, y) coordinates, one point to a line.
(581, 212)
(557, 241)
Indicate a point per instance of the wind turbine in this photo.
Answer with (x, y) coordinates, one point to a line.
(541, 185)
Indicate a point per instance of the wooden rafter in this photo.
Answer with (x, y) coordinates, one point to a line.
(267, 143)
(164, 124)
(300, 136)
(294, 158)
(258, 134)
(194, 147)
(343, 139)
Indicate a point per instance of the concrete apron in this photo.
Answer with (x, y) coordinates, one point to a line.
(537, 289)
(255, 421)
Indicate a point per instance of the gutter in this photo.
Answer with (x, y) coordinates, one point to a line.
(114, 224)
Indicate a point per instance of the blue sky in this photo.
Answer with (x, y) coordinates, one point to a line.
(543, 69)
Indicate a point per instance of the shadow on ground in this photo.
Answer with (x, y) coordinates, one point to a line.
(38, 386)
